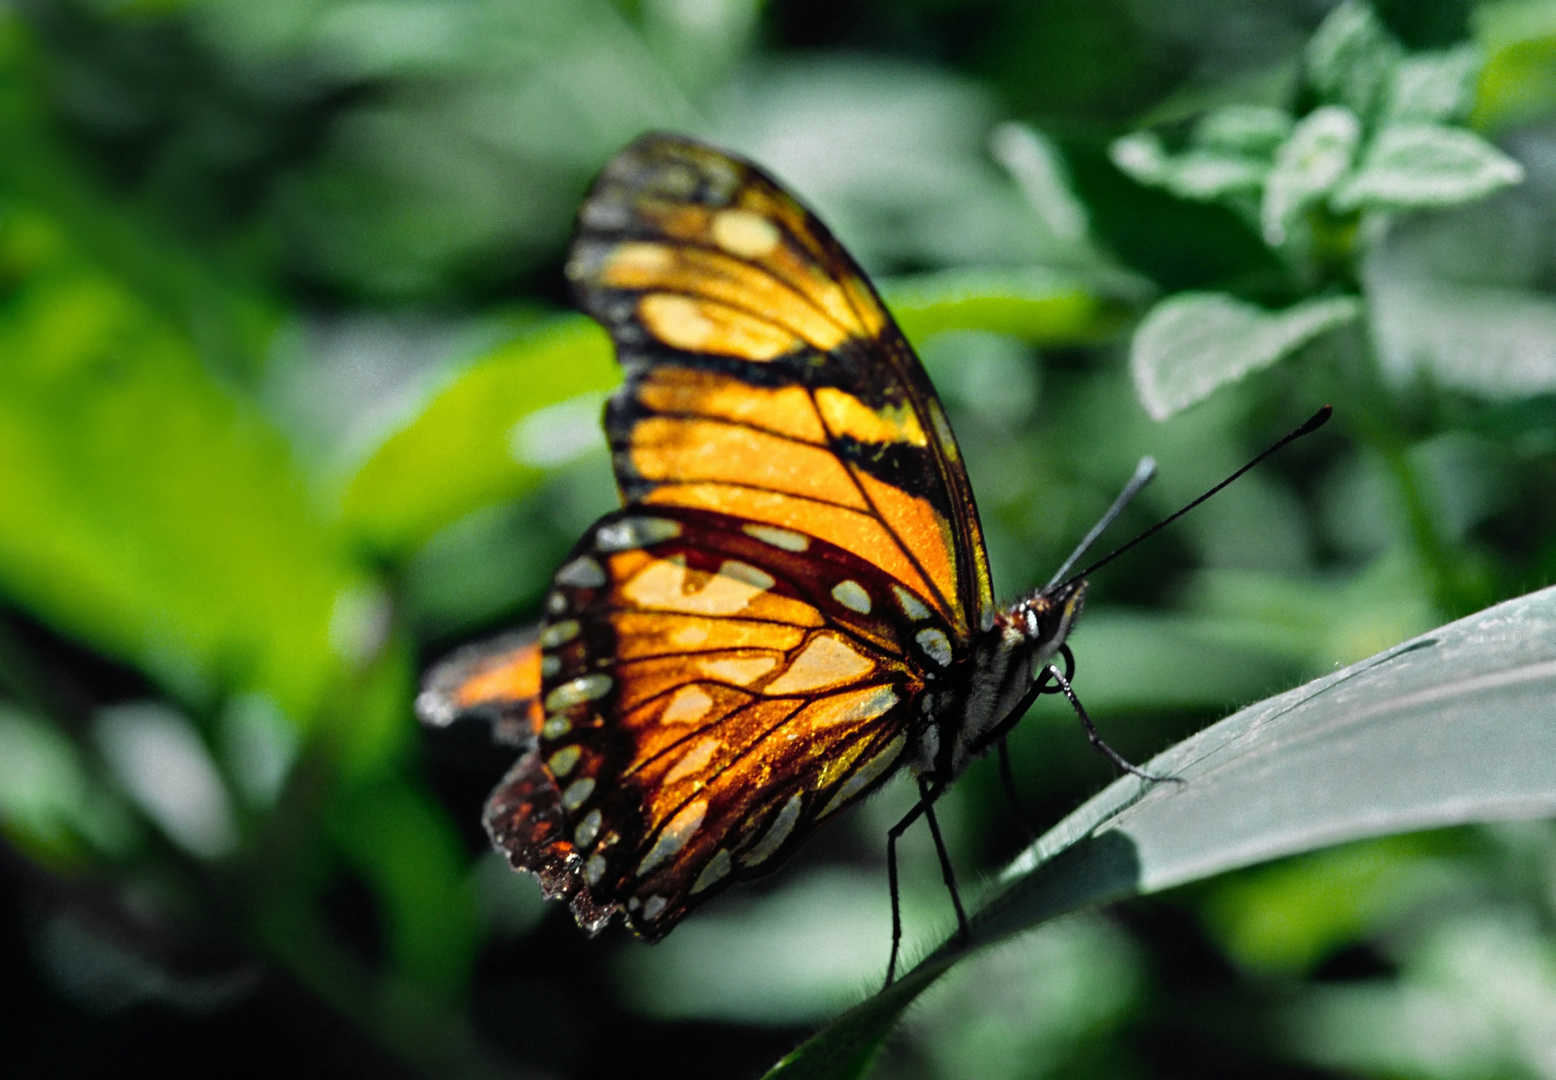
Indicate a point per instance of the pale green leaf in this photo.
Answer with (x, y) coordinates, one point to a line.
(1426, 165)
(1433, 87)
(1192, 343)
(1307, 167)
(1449, 728)
(1251, 131)
(1351, 57)
(487, 435)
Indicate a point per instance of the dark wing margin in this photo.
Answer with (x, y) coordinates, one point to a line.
(716, 689)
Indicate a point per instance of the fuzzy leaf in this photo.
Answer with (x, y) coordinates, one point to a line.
(1192, 343)
(1427, 165)
(1449, 728)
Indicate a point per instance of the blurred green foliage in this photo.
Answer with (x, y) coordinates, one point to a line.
(291, 403)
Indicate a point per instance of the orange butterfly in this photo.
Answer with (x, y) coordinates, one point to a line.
(795, 601)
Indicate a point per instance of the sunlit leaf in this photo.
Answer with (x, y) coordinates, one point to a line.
(1518, 82)
(1192, 343)
(149, 511)
(486, 436)
(1451, 727)
(1037, 307)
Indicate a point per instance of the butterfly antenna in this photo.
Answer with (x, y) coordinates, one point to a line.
(1144, 472)
(1314, 422)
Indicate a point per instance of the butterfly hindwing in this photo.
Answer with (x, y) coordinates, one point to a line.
(497, 679)
(713, 689)
(765, 379)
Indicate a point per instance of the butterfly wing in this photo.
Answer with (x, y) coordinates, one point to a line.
(765, 379)
(497, 679)
(713, 690)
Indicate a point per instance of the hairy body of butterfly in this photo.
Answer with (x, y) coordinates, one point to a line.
(795, 601)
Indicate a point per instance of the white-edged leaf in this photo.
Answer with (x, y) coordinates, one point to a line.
(1191, 343)
(1493, 341)
(1452, 727)
(1433, 87)
(1308, 166)
(1142, 157)
(1253, 131)
(1351, 57)
(1424, 165)
(1203, 174)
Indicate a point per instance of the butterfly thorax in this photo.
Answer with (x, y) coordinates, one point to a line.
(998, 672)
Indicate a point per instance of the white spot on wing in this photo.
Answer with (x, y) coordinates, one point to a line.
(587, 829)
(594, 869)
(783, 824)
(661, 585)
(744, 233)
(935, 645)
(550, 666)
(555, 727)
(578, 792)
(562, 762)
(867, 773)
(717, 870)
(742, 672)
(635, 532)
(851, 595)
(575, 691)
(582, 573)
(655, 905)
(912, 606)
(558, 632)
(778, 538)
(694, 760)
(674, 836)
(746, 573)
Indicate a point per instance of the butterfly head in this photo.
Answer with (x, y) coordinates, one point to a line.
(1044, 619)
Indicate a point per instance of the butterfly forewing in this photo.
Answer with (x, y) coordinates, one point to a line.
(714, 688)
(764, 377)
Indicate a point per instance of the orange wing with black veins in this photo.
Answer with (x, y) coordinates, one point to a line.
(714, 689)
(765, 379)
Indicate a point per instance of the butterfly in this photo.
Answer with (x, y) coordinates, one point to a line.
(794, 602)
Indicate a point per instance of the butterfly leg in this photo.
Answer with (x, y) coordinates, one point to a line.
(927, 796)
(1009, 784)
(891, 876)
(1095, 738)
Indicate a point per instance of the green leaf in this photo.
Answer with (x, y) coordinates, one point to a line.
(406, 847)
(1518, 82)
(1191, 343)
(1307, 167)
(1039, 307)
(1449, 728)
(1203, 175)
(149, 512)
(1433, 88)
(1351, 58)
(486, 436)
(1426, 165)
(1249, 131)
